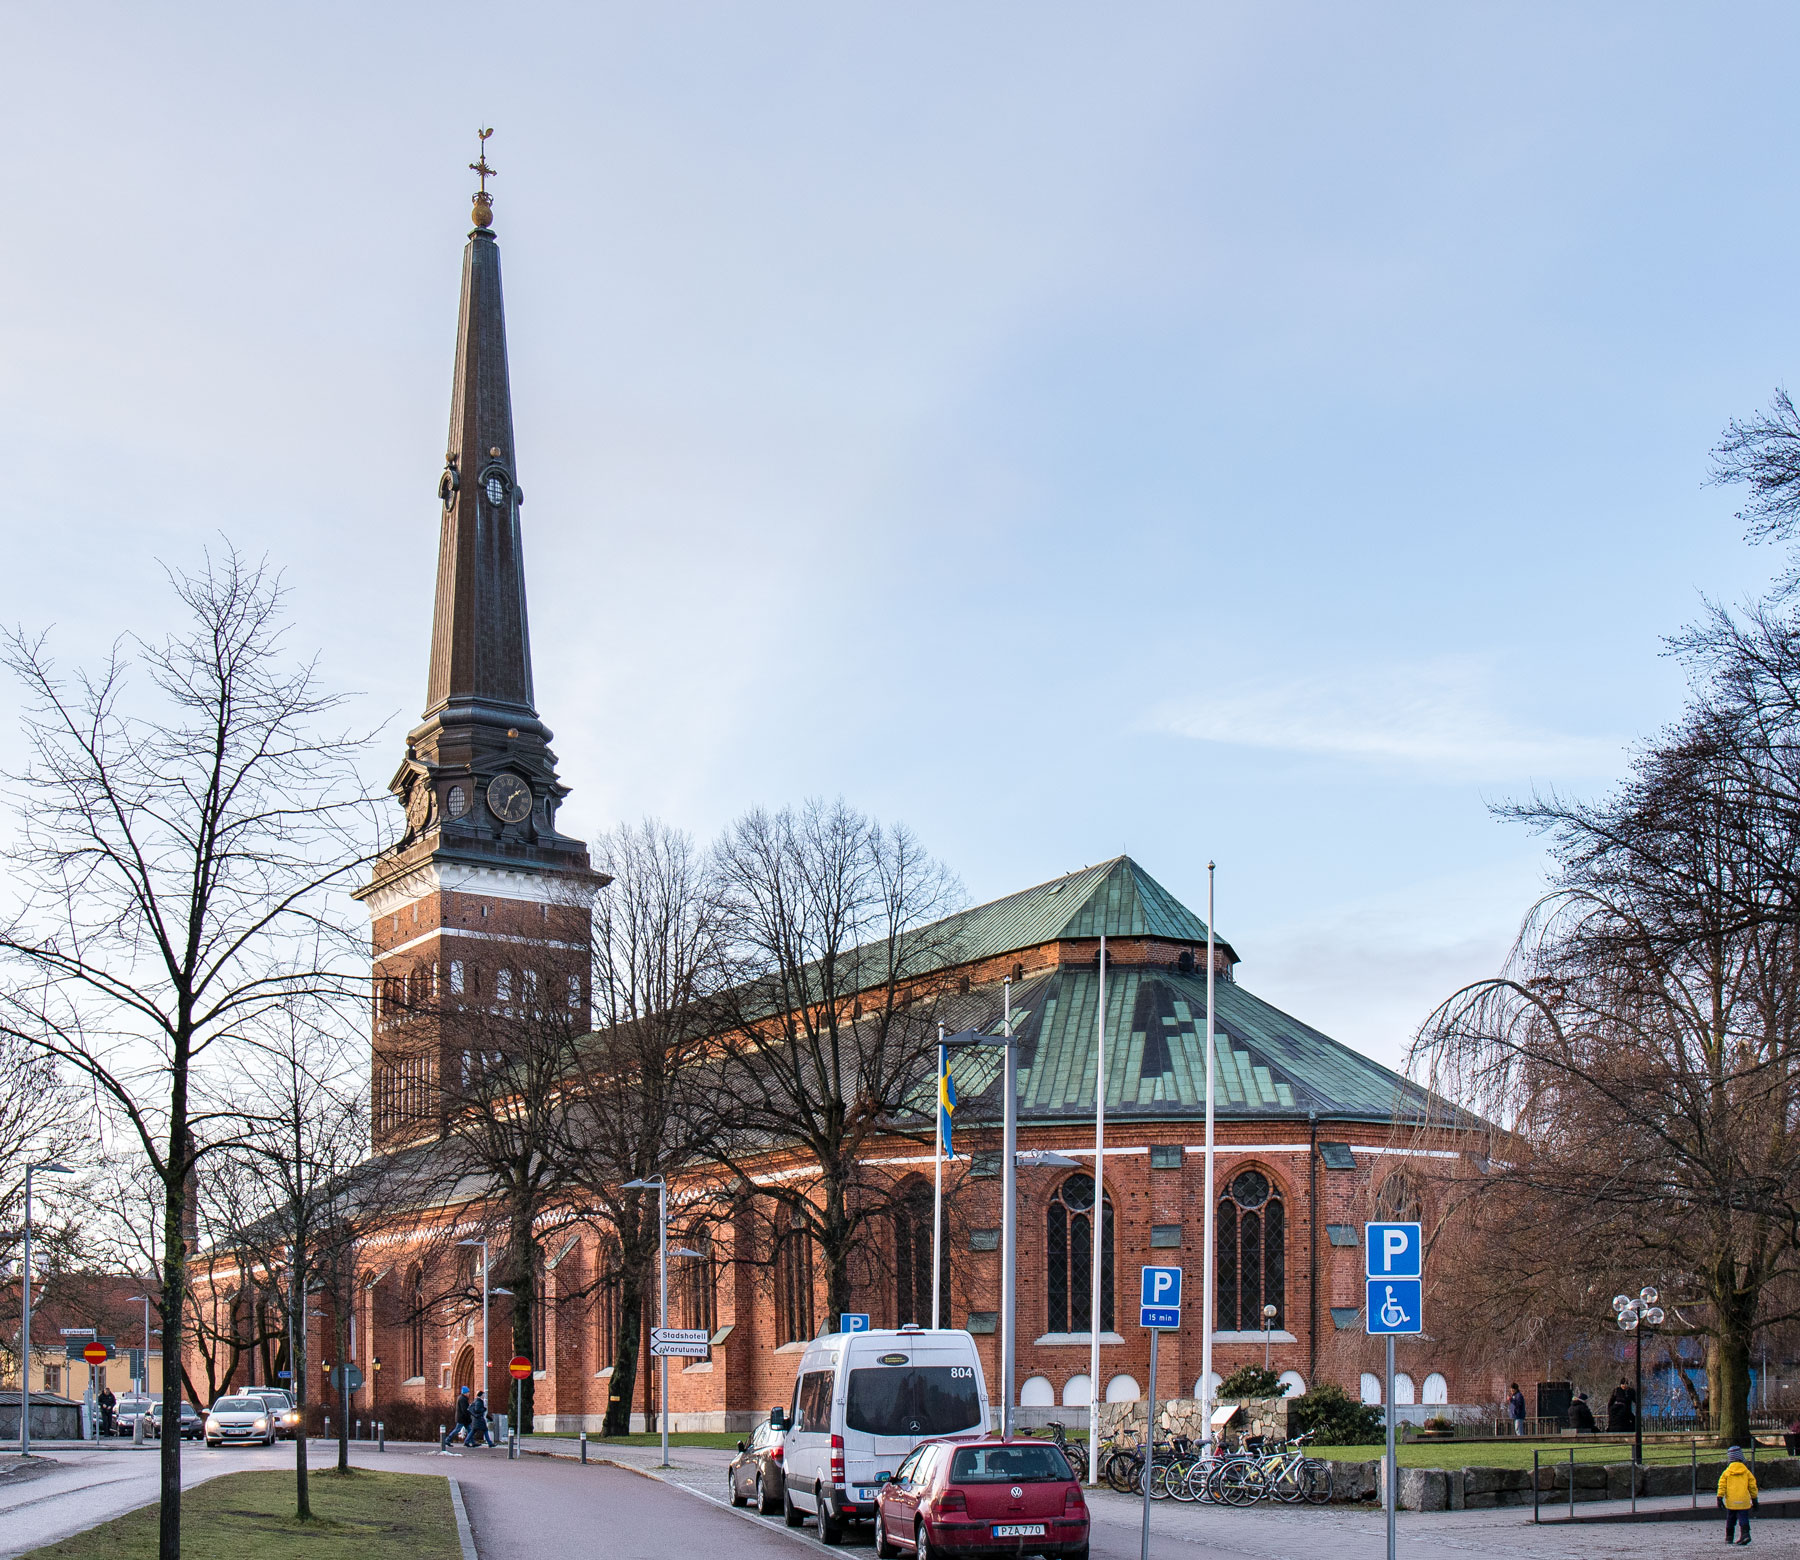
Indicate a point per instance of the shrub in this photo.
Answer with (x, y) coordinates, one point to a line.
(1336, 1418)
(1251, 1381)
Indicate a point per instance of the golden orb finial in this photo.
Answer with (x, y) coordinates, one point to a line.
(483, 212)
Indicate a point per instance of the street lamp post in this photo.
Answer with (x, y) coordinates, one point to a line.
(1269, 1314)
(484, 1309)
(25, 1322)
(1634, 1316)
(144, 1380)
(1010, 1159)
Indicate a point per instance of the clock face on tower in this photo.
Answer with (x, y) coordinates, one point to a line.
(509, 798)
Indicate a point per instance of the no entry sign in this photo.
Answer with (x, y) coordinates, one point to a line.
(95, 1353)
(520, 1366)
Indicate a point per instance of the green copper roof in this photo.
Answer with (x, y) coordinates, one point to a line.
(1268, 1064)
(1117, 898)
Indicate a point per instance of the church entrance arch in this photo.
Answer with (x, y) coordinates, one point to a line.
(463, 1375)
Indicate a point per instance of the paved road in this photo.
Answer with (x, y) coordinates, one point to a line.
(540, 1507)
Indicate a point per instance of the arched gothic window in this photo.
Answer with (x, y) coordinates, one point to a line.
(1069, 1258)
(415, 1350)
(1398, 1201)
(794, 1286)
(1252, 1255)
(696, 1293)
(912, 1260)
(612, 1303)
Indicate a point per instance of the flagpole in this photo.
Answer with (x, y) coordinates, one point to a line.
(1207, 1242)
(937, 1195)
(1099, 1238)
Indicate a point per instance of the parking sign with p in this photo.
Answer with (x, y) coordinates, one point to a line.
(1396, 1266)
(1159, 1299)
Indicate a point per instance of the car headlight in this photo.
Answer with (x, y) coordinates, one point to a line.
(212, 1424)
(261, 1424)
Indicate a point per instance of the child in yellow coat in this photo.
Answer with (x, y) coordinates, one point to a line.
(1737, 1495)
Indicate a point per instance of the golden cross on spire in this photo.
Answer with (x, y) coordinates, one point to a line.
(481, 167)
(484, 202)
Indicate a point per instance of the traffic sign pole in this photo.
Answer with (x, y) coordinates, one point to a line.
(1150, 1455)
(1393, 1467)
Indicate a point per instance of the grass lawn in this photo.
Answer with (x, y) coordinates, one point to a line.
(1512, 1454)
(250, 1516)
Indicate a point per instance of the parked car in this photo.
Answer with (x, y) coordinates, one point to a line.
(989, 1497)
(130, 1406)
(756, 1472)
(193, 1427)
(862, 1402)
(240, 1419)
(280, 1404)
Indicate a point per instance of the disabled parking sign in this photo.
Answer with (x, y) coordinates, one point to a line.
(1396, 1284)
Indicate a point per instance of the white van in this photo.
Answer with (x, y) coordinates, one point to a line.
(862, 1402)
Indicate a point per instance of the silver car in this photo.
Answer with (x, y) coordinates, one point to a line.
(240, 1419)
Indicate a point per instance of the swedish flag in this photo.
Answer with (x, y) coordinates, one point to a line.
(946, 1106)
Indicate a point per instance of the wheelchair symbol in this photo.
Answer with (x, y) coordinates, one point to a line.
(1393, 1313)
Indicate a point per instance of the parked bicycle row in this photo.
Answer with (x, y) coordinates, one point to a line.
(1186, 1470)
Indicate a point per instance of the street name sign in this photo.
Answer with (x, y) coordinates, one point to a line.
(1159, 1298)
(1395, 1301)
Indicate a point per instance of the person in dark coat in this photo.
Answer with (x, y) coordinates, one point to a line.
(1793, 1434)
(106, 1403)
(1581, 1417)
(461, 1426)
(1515, 1406)
(1621, 1409)
(478, 1421)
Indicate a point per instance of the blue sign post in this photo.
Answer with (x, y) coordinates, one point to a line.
(1394, 1304)
(1159, 1306)
(853, 1321)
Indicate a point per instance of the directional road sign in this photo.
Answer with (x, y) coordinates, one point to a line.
(520, 1366)
(75, 1349)
(680, 1350)
(347, 1378)
(1159, 1300)
(285, 1375)
(854, 1321)
(679, 1335)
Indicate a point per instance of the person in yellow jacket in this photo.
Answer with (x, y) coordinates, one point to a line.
(1737, 1495)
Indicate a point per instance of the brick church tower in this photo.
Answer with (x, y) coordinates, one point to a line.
(482, 907)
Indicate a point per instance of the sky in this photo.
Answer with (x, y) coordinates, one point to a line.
(1264, 433)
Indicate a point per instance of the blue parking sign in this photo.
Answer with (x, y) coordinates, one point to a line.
(854, 1321)
(1159, 1298)
(1395, 1305)
(1394, 1250)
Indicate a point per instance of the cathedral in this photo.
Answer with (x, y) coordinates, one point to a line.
(484, 903)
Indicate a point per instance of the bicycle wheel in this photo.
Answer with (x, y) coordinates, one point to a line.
(1122, 1471)
(1077, 1455)
(1181, 1479)
(1317, 1480)
(1159, 1481)
(1239, 1483)
(1284, 1483)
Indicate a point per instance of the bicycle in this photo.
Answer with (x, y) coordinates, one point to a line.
(1075, 1451)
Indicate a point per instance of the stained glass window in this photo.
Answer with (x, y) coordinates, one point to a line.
(1069, 1258)
(1252, 1255)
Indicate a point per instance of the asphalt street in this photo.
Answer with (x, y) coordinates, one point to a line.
(539, 1506)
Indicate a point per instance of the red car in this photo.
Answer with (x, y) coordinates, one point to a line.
(982, 1498)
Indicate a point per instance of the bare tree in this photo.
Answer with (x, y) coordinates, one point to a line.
(1642, 1052)
(826, 1013)
(643, 1107)
(181, 842)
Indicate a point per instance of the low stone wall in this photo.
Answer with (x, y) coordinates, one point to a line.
(52, 1419)
(1183, 1416)
(1472, 1489)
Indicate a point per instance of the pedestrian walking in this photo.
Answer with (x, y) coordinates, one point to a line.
(1793, 1434)
(1737, 1495)
(460, 1428)
(1621, 1409)
(106, 1403)
(1515, 1405)
(478, 1421)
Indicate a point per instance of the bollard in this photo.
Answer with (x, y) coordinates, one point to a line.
(584, 1446)
(1535, 1486)
(1694, 1473)
(1571, 1484)
(357, 1435)
(441, 1446)
(328, 1427)
(381, 1435)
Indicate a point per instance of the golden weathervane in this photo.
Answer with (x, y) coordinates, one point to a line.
(484, 202)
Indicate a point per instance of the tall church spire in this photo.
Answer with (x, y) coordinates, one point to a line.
(480, 642)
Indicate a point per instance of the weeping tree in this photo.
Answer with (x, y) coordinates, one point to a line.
(1641, 1052)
